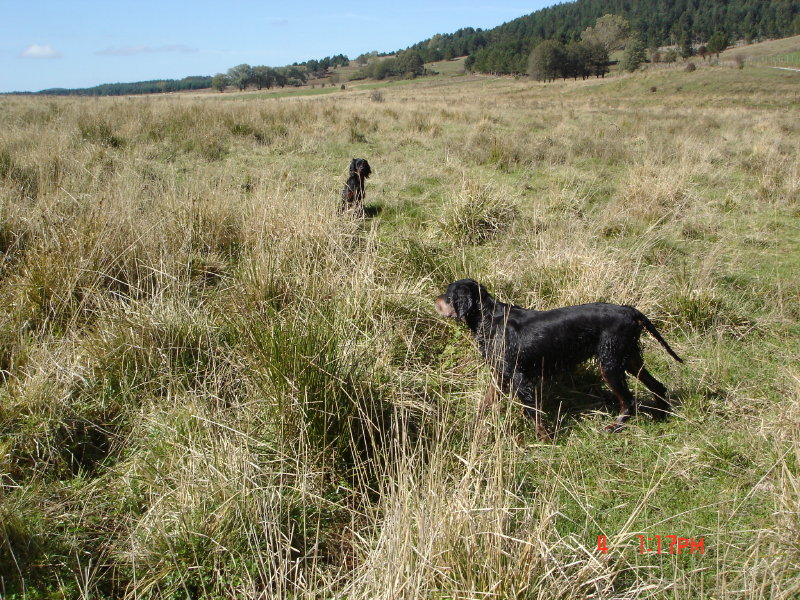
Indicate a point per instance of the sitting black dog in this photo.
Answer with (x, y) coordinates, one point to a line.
(522, 345)
(353, 192)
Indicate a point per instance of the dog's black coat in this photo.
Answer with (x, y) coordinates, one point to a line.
(353, 192)
(522, 345)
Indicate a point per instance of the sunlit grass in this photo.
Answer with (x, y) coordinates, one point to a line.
(215, 386)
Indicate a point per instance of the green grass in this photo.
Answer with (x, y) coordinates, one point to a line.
(448, 67)
(213, 386)
(283, 93)
(769, 48)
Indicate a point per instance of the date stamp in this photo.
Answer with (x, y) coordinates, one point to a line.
(661, 544)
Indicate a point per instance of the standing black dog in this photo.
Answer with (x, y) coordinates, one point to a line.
(353, 192)
(522, 345)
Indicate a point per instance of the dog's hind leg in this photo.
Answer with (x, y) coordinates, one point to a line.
(635, 366)
(614, 376)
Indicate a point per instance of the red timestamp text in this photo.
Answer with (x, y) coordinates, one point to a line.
(661, 544)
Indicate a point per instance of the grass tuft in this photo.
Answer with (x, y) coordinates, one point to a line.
(214, 386)
(476, 214)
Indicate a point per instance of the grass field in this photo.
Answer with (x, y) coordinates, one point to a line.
(773, 51)
(213, 386)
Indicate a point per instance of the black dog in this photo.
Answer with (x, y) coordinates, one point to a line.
(353, 192)
(522, 345)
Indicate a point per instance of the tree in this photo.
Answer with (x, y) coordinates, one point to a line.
(410, 63)
(219, 82)
(547, 61)
(381, 69)
(280, 77)
(686, 49)
(263, 77)
(294, 76)
(363, 59)
(718, 42)
(314, 66)
(597, 59)
(241, 76)
(634, 55)
(610, 31)
(577, 60)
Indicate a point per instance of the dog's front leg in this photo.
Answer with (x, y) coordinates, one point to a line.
(489, 398)
(525, 390)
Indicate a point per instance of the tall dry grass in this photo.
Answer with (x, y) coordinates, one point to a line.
(215, 386)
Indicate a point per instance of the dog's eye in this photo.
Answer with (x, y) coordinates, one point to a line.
(449, 299)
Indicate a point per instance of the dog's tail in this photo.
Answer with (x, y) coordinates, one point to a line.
(654, 332)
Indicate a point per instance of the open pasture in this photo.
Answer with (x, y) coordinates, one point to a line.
(213, 386)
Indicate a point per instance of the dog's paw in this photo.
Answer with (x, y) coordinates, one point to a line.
(614, 427)
(543, 434)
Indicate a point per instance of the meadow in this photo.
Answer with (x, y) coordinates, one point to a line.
(213, 386)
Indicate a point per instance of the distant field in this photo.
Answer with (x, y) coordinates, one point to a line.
(771, 48)
(448, 67)
(213, 385)
(775, 52)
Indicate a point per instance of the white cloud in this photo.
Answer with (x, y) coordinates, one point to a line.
(37, 51)
(132, 50)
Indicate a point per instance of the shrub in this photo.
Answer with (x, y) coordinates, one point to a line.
(634, 55)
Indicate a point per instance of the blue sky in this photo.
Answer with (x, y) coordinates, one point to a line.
(82, 43)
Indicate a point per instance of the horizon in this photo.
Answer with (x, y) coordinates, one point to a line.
(87, 43)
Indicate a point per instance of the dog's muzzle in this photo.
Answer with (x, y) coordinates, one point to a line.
(445, 309)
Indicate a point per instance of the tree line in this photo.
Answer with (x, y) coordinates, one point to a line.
(243, 76)
(408, 63)
(156, 86)
(553, 59)
(686, 23)
(691, 25)
(240, 76)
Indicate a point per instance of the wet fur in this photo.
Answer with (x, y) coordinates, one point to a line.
(354, 191)
(523, 345)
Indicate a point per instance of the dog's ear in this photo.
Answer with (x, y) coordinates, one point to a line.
(474, 297)
(468, 296)
(463, 303)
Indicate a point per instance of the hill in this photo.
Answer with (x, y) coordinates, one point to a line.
(505, 49)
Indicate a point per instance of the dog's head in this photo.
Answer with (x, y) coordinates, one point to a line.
(463, 299)
(360, 167)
